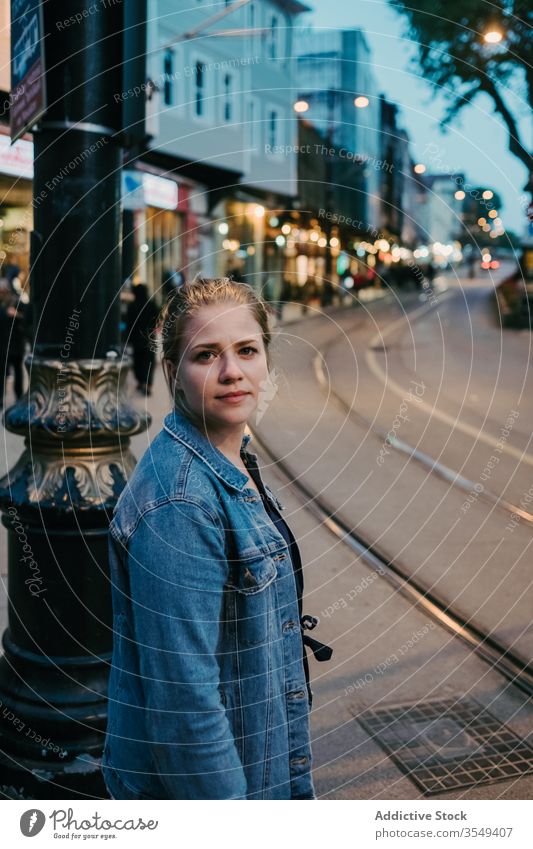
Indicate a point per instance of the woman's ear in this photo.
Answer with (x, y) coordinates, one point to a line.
(171, 371)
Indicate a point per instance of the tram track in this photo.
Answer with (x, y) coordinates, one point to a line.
(510, 665)
(438, 469)
(434, 466)
(497, 655)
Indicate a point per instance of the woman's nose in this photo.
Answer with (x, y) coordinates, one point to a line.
(229, 367)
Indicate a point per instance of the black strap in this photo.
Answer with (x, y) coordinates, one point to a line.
(320, 651)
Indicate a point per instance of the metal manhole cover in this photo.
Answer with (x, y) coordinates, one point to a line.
(446, 745)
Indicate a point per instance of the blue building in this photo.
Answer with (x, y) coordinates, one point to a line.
(336, 80)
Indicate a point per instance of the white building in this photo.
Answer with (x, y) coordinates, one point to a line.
(224, 114)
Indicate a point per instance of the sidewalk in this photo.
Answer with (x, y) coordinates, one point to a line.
(365, 621)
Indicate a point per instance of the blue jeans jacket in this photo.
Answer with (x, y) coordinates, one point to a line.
(207, 691)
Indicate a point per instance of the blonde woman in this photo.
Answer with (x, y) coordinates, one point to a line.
(209, 694)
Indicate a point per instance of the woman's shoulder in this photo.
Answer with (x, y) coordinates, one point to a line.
(167, 471)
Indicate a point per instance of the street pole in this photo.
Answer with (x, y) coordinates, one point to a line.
(76, 420)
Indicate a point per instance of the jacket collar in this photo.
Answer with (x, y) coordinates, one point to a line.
(182, 429)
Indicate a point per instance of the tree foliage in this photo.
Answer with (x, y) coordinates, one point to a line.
(454, 56)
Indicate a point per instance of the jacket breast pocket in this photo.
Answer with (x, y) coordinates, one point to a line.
(254, 600)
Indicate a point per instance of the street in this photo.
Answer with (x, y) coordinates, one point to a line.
(357, 181)
(326, 424)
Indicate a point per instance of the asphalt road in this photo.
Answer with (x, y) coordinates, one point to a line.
(443, 379)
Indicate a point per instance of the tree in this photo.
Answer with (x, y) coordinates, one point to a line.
(454, 56)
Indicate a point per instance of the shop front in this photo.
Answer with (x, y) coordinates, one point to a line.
(153, 227)
(280, 252)
(16, 209)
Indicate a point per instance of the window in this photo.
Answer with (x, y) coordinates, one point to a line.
(273, 129)
(251, 124)
(168, 77)
(199, 81)
(227, 98)
(252, 23)
(273, 37)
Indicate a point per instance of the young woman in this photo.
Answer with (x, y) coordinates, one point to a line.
(209, 693)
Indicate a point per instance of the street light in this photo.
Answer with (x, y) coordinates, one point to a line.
(361, 101)
(301, 106)
(492, 36)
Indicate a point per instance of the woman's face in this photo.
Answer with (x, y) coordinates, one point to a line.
(222, 353)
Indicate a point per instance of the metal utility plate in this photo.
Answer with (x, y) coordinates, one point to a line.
(447, 745)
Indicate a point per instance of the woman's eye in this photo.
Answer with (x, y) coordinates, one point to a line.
(248, 348)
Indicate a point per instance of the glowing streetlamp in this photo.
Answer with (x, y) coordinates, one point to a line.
(361, 102)
(492, 36)
(301, 106)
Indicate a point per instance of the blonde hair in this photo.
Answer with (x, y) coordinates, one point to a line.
(185, 303)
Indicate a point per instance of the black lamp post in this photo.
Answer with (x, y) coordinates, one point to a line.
(76, 421)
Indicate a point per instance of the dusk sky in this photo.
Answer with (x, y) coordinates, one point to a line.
(476, 143)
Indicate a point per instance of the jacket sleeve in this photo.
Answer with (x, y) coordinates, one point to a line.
(177, 571)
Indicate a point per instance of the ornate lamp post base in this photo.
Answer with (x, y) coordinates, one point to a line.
(57, 502)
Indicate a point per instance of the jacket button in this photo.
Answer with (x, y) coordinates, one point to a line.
(288, 625)
(296, 694)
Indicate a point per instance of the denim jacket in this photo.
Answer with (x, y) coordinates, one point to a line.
(207, 690)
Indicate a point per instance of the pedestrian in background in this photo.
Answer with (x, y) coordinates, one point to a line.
(17, 312)
(5, 327)
(13, 338)
(141, 318)
(209, 694)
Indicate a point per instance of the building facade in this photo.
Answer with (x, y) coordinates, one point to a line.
(222, 122)
(336, 80)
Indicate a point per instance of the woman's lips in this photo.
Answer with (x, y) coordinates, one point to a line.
(233, 399)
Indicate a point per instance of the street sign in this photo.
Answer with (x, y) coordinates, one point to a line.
(140, 189)
(27, 66)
